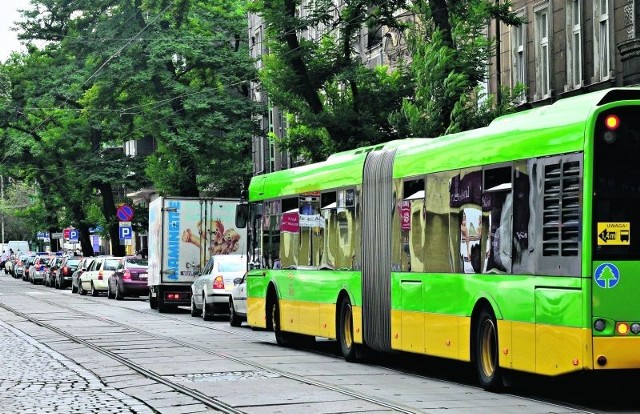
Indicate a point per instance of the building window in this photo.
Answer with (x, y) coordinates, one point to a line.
(601, 40)
(518, 39)
(543, 89)
(574, 44)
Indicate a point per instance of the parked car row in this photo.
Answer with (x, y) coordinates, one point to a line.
(219, 289)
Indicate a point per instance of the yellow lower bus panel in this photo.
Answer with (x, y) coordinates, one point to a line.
(621, 352)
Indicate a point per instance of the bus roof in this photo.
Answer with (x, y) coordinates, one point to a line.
(552, 129)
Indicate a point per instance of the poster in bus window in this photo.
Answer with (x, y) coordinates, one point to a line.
(466, 194)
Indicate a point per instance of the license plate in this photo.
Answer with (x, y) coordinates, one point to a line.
(143, 275)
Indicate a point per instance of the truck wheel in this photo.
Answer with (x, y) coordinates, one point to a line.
(207, 314)
(486, 351)
(153, 301)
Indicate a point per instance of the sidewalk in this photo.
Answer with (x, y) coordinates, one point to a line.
(35, 379)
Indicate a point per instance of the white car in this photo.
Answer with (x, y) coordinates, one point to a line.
(96, 278)
(210, 292)
(238, 302)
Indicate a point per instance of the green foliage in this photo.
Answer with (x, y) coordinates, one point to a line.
(449, 64)
(336, 102)
(172, 73)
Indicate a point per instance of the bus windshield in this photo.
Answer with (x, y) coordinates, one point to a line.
(616, 187)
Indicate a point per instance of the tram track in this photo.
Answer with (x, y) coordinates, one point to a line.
(150, 374)
(213, 403)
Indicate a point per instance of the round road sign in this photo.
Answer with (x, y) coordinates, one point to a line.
(124, 213)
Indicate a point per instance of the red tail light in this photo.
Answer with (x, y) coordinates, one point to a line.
(126, 275)
(65, 270)
(100, 275)
(218, 282)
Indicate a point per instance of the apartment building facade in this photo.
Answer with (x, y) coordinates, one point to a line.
(565, 47)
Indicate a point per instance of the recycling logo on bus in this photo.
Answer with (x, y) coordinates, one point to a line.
(607, 275)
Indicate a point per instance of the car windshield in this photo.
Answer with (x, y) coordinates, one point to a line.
(137, 262)
(230, 266)
(73, 262)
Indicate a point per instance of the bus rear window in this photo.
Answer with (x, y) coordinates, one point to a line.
(616, 198)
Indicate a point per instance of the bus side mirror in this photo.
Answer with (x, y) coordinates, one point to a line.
(242, 214)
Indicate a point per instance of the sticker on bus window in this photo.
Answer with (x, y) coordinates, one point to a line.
(614, 234)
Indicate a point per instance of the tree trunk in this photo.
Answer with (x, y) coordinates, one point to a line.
(109, 212)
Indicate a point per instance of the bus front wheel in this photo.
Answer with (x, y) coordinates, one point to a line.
(486, 351)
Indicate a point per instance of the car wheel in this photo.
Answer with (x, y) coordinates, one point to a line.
(74, 288)
(94, 292)
(207, 314)
(234, 318)
(194, 311)
(81, 290)
(109, 294)
(119, 295)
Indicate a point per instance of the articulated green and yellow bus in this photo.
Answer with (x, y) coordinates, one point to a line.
(513, 247)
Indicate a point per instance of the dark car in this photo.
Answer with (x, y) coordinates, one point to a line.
(52, 269)
(129, 279)
(67, 267)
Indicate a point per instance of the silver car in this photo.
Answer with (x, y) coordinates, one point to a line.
(210, 292)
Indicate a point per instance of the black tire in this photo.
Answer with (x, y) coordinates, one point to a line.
(118, 293)
(207, 314)
(348, 347)
(234, 318)
(74, 289)
(94, 292)
(81, 291)
(486, 352)
(153, 301)
(282, 338)
(109, 294)
(193, 310)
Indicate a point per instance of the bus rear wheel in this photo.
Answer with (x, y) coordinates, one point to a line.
(345, 331)
(486, 351)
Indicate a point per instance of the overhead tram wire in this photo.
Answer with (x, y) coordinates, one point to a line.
(107, 61)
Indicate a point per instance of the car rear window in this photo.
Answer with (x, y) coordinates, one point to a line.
(111, 264)
(73, 262)
(137, 262)
(230, 267)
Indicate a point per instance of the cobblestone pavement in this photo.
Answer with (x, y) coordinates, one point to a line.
(36, 379)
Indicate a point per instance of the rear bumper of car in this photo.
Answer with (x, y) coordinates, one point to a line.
(218, 299)
(134, 287)
(98, 284)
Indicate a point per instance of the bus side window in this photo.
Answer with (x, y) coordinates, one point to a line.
(498, 202)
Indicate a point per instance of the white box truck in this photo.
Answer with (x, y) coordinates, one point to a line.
(183, 234)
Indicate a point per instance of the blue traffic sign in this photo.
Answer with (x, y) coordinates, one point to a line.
(124, 232)
(73, 235)
(607, 275)
(124, 212)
